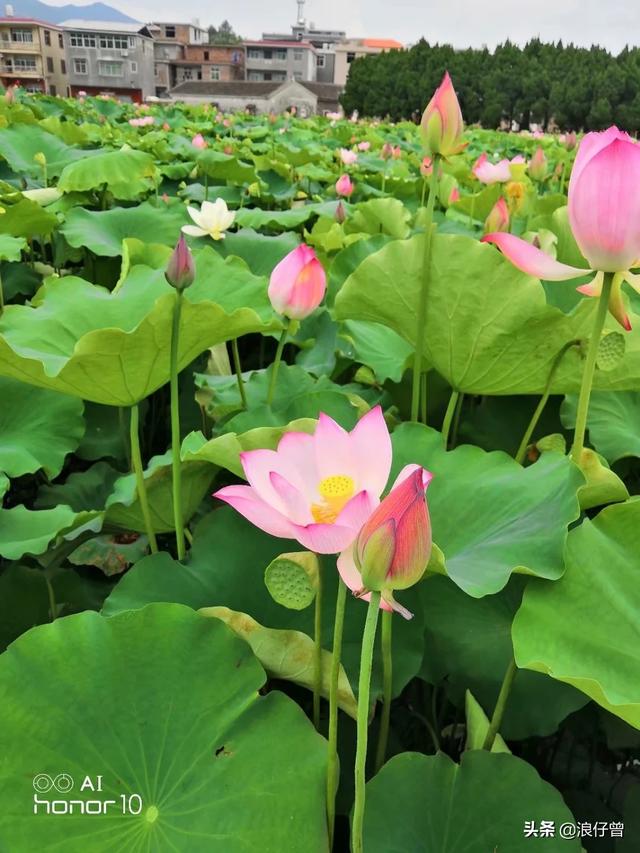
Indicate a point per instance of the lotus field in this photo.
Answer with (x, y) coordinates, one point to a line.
(319, 456)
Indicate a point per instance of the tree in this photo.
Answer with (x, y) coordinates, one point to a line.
(224, 34)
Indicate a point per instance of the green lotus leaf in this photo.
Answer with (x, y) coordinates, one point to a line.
(23, 531)
(37, 428)
(126, 174)
(478, 205)
(603, 486)
(379, 347)
(613, 422)
(379, 216)
(102, 231)
(164, 706)
(256, 218)
(260, 252)
(583, 629)
(490, 516)
(478, 726)
(26, 218)
(288, 655)
(429, 804)
(225, 167)
(82, 489)
(113, 348)
(497, 338)
(11, 247)
(20, 143)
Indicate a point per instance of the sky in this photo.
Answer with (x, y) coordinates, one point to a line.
(463, 23)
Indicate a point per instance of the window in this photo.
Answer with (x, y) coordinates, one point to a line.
(156, 70)
(22, 35)
(187, 73)
(214, 72)
(60, 40)
(24, 63)
(82, 39)
(114, 41)
(255, 75)
(297, 75)
(206, 55)
(254, 53)
(235, 56)
(350, 57)
(169, 32)
(297, 55)
(320, 60)
(266, 75)
(80, 66)
(49, 65)
(133, 67)
(63, 66)
(281, 54)
(110, 69)
(53, 91)
(47, 38)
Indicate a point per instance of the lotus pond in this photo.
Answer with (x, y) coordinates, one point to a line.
(320, 524)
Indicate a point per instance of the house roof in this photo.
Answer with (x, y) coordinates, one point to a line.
(35, 21)
(105, 27)
(231, 88)
(275, 43)
(383, 44)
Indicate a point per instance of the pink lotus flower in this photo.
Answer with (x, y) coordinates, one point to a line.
(538, 165)
(442, 124)
(393, 547)
(166, 126)
(604, 214)
(491, 173)
(181, 269)
(297, 284)
(199, 141)
(317, 489)
(348, 157)
(498, 218)
(454, 196)
(344, 186)
(426, 167)
(387, 151)
(364, 146)
(570, 140)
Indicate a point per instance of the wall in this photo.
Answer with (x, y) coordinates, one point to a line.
(136, 63)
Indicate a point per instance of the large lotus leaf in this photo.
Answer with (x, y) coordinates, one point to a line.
(379, 216)
(255, 217)
(37, 428)
(488, 327)
(379, 347)
(20, 143)
(613, 422)
(26, 218)
(163, 704)
(225, 167)
(468, 647)
(584, 629)
(11, 248)
(226, 568)
(113, 348)
(259, 251)
(490, 515)
(428, 804)
(23, 531)
(126, 174)
(103, 231)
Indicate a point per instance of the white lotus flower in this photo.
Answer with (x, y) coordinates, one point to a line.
(213, 219)
(43, 195)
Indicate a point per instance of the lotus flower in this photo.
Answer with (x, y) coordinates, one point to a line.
(212, 219)
(491, 173)
(364, 146)
(604, 214)
(317, 489)
(348, 157)
(538, 165)
(570, 140)
(454, 196)
(341, 213)
(199, 141)
(344, 186)
(498, 218)
(386, 151)
(442, 125)
(297, 284)
(426, 167)
(181, 269)
(393, 547)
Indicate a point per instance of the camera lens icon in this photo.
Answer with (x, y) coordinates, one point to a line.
(42, 783)
(63, 783)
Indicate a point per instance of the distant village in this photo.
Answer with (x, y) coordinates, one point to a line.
(306, 68)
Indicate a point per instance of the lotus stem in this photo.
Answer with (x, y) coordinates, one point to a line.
(52, 597)
(448, 416)
(178, 522)
(136, 458)
(1, 298)
(332, 765)
(364, 688)
(422, 301)
(526, 438)
(423, 398)
(276, 363)
(387, 684)
(424, 191)
(589, 369)
(456, 421)
(501, 704)
(317, 653)
(237, 366)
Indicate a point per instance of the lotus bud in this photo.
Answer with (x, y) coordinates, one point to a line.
(364, 146)
(396, 152)
(498, 218)
(393, 547)
(166, 126)
(570, 140)
(297, 284)
(538, 165)
(344, 186)
(387, 151)
(199, 141)
(40, 158)
(426, 167)
(442, 124)
(454, 196)
(181, 269)
(516, 194)
(348, 157)
(341, 213)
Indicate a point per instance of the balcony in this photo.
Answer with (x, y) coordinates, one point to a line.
(22, 73)
(9, 46)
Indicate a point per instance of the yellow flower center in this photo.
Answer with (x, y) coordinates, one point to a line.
(335, 492)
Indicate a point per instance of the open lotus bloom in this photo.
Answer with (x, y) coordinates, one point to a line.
(213, 219)
(604, 214)
(348, 157)
(393, 547)
(318, 489)
(495, 173)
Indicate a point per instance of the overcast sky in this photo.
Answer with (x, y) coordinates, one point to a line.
(611, 23)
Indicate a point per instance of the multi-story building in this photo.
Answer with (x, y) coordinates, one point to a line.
(348, 51)
(109, 58)
(32, 55)
(224, 62)
(271, 60)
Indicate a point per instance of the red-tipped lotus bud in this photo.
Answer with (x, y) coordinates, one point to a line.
(393, 547)
(181, 269)
(426, 167)
(387, 151)
(344, 186)
(442, 124)
(538, 165)
(297, 284)
(571, 140)
(498, 218)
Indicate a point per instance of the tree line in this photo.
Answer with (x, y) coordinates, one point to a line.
(573, 88)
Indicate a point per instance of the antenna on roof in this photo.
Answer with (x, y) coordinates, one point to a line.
(300, 4)
(8, 10)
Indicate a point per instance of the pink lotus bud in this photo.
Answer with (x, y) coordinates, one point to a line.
(297, 284)
(166, 126)
(226, 122)
(181, 269)
(498, 218)
(165, 198)
(426, 167)
(393, 546)
(348, 157)
(454, 195)
(571, 140)
(341, 213)
(228, 149)
(442, 124)
(199, 141)
(396, 152)
(387, 151)
(364, 146)
(538, 165)
(10, 95)
(344, 186)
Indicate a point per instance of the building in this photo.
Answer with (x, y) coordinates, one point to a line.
(308, 98)
(32, 55)
(348, 51)
(169, 40)
(224, 62)
(271, 60)
(109, 59)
